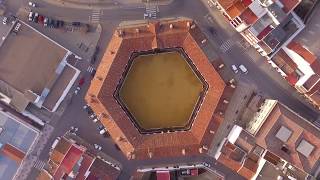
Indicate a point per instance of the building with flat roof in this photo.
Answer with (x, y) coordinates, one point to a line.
(34, 69)
(16, 140)
(71, 159)
(174, 35)
(274, 136)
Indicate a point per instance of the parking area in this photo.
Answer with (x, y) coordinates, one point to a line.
(80, 38)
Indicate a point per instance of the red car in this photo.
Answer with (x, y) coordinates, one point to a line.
(81, 81)
(41, 19)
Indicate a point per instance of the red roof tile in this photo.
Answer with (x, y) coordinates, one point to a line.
(301, 130)
(12, 152)
(289, 5)
(248, 16)
(264, 32)
(303, 52)
(163, 175)
(101, 170)
(69, 161)
(85, 164)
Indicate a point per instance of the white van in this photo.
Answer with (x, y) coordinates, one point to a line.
(243, 69)
(234, 68)
(55, 142)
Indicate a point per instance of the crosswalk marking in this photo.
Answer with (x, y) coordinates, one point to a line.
(152, 11)
(90, 69)
(227, 45)
(39, 164)
(317, 123)
(95, 15)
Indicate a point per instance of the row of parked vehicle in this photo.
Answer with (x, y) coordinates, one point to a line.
(102, 130)
(46, 21)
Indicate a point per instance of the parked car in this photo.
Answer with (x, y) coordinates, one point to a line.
(88, 109)
(234, 68)
(45, 21)
(206, 164)
(41, 19)
(102, 131)
(32, 4)
(55, 23)
(77, 90)
(185, 172)
(100, 127)
(4, 20)
(31, 16)
(97, 147)
(81, 81)
(55, 142)
(95, 119)
(73, 129)
(243, 69)
(35, 18)
(93, 72)
(76, 23)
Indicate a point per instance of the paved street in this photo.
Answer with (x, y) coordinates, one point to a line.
(225, 41)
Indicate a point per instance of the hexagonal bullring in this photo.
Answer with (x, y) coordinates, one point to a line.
(154, 77)
(161, 90)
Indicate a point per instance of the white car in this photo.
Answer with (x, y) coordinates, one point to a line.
(32, 4)
(102, 131)
(31, 15)
(97, 147)
(243, 69)
(95, 119)
(234, 68)
(55, 142)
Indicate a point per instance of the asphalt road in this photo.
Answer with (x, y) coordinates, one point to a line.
(260, 74)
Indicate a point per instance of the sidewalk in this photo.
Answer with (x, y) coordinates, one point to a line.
(106, 4)
(32, 157)
(234, 109)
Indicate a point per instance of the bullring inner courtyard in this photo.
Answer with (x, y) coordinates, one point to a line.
(161, 90)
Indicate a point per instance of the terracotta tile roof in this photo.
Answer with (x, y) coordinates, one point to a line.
(100, 97)
(12, 152)
(301, 130)
(60, 151)
(315, 97)
(245, 141)
(234, 158)
(100, 170)
(302, 51)
(311, 82)
(227, 3)
(71, 158)
(248, 16)
(289, 5)
(44, 175)
(236, 9)
(85, 164)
